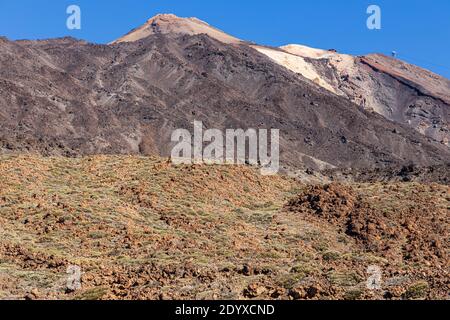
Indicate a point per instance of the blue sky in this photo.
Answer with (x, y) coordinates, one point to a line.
(419, 30)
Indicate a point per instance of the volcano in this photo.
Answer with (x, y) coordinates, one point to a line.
(171, 24)
(70, 97)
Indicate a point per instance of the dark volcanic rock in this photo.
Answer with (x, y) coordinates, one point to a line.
(70, 97)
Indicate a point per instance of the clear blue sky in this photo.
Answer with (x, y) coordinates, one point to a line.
(419, 30)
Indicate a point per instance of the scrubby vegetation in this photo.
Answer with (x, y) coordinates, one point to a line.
(142, 228)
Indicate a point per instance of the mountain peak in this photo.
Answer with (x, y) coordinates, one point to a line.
(164, 16)
(168, 23)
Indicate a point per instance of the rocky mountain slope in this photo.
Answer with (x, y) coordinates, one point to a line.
(399, 91)
(171, 24)
(69, 97)
(142, 228)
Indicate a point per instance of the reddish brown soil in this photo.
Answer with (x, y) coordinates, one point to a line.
(142, 228)
(413, 230)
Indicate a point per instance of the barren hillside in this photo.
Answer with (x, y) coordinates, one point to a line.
(67, 97)
(142, 228)
(397, 90)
